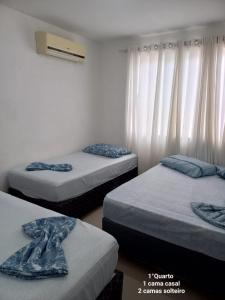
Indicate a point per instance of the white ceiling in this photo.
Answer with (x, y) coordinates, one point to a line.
(105, 19)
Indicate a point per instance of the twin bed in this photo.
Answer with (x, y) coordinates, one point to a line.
(91, 256)
(76, 192)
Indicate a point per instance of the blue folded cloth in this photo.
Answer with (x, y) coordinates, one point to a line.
(44, 256)
(221, 171)
(106, 150)
(38, 166)
(212, 214)
(189, 166)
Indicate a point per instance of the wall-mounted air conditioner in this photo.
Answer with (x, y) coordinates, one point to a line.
(51, 44)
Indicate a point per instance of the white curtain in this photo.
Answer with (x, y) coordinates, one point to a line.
(176, 101)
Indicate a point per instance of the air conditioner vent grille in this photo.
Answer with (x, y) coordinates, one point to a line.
(66, 52)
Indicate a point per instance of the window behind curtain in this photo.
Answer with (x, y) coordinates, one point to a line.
(176, 101)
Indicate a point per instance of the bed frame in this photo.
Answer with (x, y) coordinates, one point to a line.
(79, 206)
(114, 289)
(202, 271)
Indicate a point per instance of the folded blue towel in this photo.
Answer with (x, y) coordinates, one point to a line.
(221, 171)
(38, 166)
(212, 214)
(44, 256)
(189, 166)
(106, 150)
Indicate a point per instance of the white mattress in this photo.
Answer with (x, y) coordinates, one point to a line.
(89, 171)
(158, 203)
(91, 256)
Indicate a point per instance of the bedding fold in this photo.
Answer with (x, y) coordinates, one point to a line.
(212, 214)
(44, 256)
(221, 172)
(39, 166)
(189, 166)
(107, 150)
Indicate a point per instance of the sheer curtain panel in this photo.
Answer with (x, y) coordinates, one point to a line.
(176, 101)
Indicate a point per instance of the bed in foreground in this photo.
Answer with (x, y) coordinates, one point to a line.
(154, 211)
(91, 256)
(77, 192)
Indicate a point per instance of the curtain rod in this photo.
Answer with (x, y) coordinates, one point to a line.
(166, 45)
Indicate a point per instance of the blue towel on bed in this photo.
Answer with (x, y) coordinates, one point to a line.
(37, 166)
(189, 166)
(212, 214)
(44, 256)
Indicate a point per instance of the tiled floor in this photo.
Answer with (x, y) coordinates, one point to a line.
(134, 274)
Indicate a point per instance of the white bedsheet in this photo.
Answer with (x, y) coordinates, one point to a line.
(91, 256)
(89, 171)
(158, 203)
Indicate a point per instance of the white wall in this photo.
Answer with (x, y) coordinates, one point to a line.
(47, 105)
(113, 76)
(113, 68)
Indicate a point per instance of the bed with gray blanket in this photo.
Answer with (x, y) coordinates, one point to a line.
(156, 207)
(91, 256)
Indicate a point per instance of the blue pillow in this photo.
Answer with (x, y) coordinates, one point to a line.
(107, 150)
(190, 166)
(221, 171)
